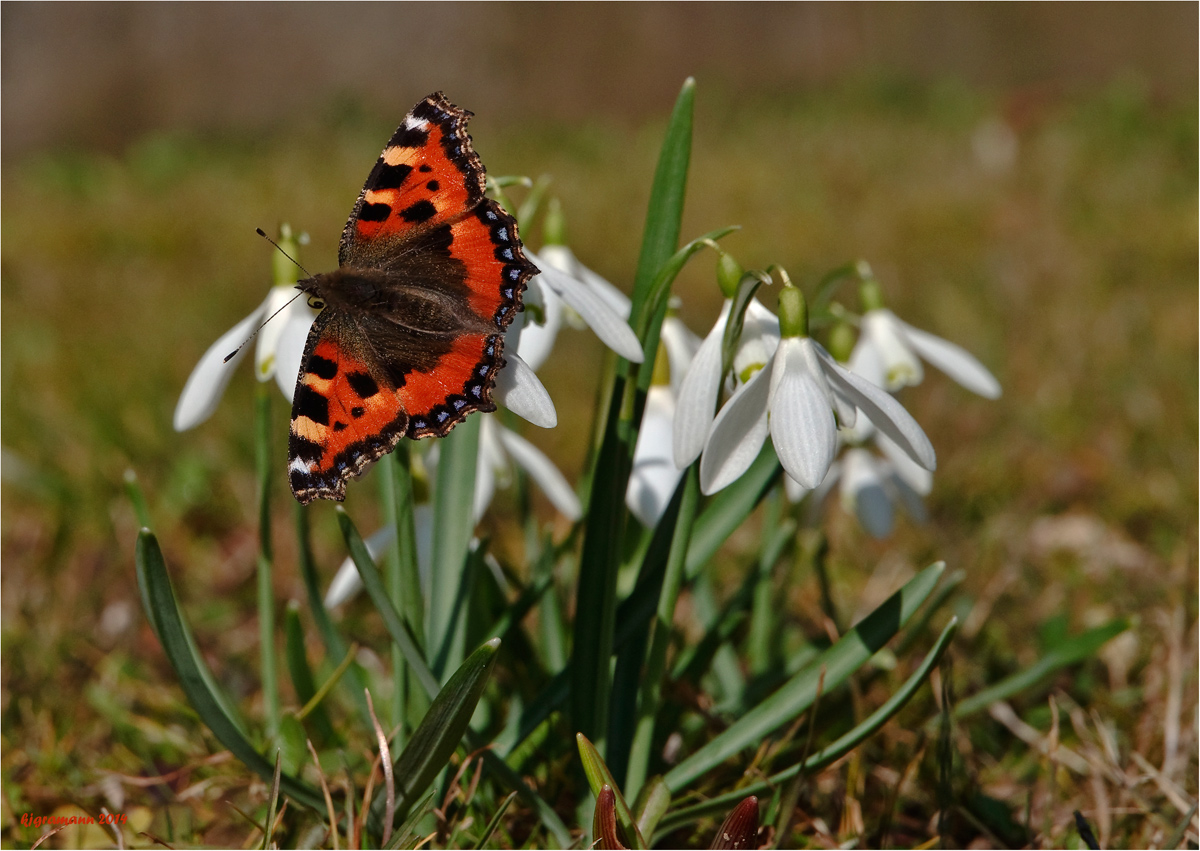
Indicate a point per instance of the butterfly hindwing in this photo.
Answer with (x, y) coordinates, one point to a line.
(345, 411)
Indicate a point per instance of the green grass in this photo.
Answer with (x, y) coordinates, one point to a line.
(1069, 502)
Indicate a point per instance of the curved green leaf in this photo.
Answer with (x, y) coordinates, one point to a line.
(835, 665)
(194, 675)
(828, 754)
(1072, 651)
(373, 583)
(440, 731)
(600, 778)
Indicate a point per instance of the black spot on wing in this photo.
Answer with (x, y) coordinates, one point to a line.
(309, 403)
(374, 212)
(322, 367)
(433, 186)
(410, 137)
(362, 384)
(422, 211)
(390, 176)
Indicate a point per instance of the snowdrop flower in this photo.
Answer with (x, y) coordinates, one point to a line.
(279, 349)
(499, 448)
(889, 351)
(654, 476)
(870, 485)
(701, 386)
(595, 300)
(794, 398)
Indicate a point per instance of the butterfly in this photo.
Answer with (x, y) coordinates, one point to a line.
(410, 334)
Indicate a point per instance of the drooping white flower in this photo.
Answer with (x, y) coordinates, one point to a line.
(889, 351)
(794, 398)
(869, 485)
(278, 351)
(597, 302)
(701, 386)
(499, 449)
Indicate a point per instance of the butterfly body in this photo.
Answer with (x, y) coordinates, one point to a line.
(411, 331)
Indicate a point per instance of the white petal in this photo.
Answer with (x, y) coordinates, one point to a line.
(801, 420)
(347, 582)
(654, 476)
(794, 490)
(542, 470)
(279, 301)
(737, 434)
(519, 390)
(208, 380)
(613, 297)
(912, 501)
(885, 412)
(491, 458)
(955, 361)
(612, 330)
(535, 339)
(915, 477)
(563, 259)
(865, 361)
(901, 367)
(698, 393)
(289, 347)
(863, 493)
(681, 345)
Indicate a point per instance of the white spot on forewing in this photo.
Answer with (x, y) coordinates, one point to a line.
(413, 123)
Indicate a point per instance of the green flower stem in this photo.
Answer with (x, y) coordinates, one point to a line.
(656, 659)
(335, 645)
(453, 525)
(403, 582)
(266, 594)
(596, 596)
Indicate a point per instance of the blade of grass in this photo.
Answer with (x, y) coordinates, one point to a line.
(841, 660)
(494, 822)
(1070, 652)
(301, 673)
(400, 631)
(265, 560)
(193, 673)
(656, 659)
(403, 577)
(335, 645)
(631, 652)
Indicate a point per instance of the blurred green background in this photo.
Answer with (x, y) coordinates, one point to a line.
(1023, 178)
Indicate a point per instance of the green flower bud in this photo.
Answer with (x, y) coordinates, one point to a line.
(554, 226)
(793, 313)
(841, 340)
(729, 274)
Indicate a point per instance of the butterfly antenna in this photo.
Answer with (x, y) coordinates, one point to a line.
(231, 355)
(263, 234)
